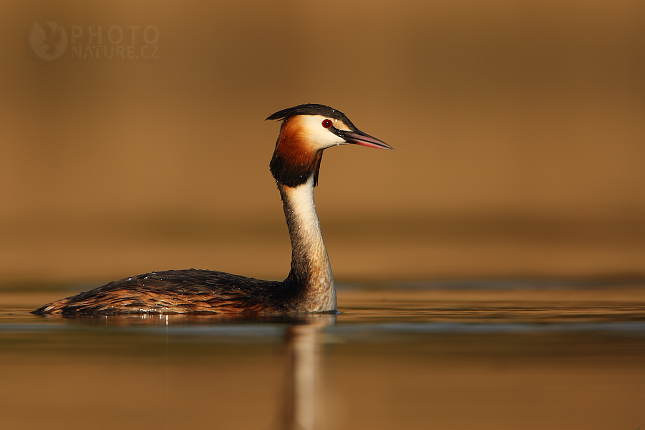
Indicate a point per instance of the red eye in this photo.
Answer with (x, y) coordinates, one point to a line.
(326, 123)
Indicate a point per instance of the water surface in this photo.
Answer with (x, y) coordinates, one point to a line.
(454, 354)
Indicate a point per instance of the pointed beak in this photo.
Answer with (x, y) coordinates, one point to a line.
(359, 138)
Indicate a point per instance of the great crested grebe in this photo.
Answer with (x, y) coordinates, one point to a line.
(305, 132)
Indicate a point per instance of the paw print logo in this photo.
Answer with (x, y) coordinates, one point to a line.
(48, 40)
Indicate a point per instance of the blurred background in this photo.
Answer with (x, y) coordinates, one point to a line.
(132, 137)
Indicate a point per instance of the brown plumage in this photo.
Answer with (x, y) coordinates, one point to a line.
(179, 291)
(305, 132)
(293, 158)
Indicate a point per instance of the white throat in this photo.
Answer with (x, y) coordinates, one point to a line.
(309, 261)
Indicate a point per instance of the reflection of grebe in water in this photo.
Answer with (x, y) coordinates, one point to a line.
(305, 132)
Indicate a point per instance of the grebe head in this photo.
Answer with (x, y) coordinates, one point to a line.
(305, 132)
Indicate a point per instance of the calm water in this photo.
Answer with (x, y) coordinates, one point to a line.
(444, 355)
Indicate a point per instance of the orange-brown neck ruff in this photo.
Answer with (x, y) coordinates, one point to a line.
(310, 269)
(294, 159)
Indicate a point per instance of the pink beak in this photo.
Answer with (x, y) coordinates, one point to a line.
(359, 138)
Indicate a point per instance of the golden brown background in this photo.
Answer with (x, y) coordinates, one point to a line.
(518, 129)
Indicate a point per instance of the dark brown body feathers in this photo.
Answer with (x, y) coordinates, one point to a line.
(179, 291)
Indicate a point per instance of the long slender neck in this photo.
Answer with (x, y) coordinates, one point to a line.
(310, 269)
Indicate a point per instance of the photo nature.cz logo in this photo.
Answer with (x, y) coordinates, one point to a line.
(49, 41)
